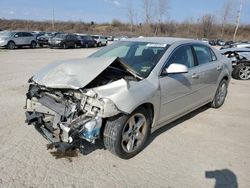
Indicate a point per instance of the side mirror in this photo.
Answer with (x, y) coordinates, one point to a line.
(16, 36)
(176, 68)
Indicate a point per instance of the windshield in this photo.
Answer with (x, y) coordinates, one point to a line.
(6, 33)
(139, 56)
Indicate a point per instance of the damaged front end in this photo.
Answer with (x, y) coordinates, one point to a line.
(65, 116)
(63, 104)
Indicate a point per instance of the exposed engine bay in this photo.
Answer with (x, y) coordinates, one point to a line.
(65, 116)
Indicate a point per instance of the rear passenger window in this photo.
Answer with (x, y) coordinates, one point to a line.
(27, 34)
(204, 54)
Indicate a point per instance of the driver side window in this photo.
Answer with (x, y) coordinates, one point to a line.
(183, 55)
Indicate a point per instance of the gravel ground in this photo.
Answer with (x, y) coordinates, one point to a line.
(207, 148)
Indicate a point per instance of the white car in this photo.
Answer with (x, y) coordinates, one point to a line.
(100, 40)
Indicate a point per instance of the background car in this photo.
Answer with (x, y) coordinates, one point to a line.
(240, 58)
(212, 42)
(13, 39)
(38, 33)
(45, 39)
(220, 42)
(87, 41)
(100, 40)
(64, 41)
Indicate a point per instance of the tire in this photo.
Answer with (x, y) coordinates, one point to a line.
(241, 71)
(86, 45)
(33, 44)
(64, 46)
(99, 44)
(95, 45)
(220, 95)
(121, 135)
(75, 45)
(11, 45)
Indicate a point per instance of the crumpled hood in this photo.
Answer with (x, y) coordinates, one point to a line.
(72, 74)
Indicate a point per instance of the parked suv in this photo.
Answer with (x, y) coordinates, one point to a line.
(100, 40)
(13, 39)
(64, 41)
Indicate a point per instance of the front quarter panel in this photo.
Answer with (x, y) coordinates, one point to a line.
(128, 95)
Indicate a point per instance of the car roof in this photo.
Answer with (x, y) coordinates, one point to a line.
(163, 40)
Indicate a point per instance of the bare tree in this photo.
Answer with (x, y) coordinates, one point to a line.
(148, 11)
(207, 24)
(131, 14)
(162, 7)
(227, 12)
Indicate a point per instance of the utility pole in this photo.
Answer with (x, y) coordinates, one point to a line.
(53, 16)
(238, 20)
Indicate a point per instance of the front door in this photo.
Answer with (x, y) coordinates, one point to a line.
(179, 91)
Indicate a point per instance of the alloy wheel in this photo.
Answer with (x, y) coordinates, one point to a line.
(134, 132)
(222, 93)
(244, 73)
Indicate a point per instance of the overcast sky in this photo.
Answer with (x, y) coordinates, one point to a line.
(107, 10)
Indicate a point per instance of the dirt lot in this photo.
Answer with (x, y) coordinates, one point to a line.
(204, 148)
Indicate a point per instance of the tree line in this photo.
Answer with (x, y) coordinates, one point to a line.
(154, 21)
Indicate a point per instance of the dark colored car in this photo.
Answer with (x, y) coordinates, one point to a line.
(65, 41)
(38, 33)
(220, 42)
(87, 41)
(212, 42)
(45, 39)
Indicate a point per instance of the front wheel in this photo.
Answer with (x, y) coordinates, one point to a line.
(126, 135)
(11, 45)
(220, 95)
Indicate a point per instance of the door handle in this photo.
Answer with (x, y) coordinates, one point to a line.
(219, 68)
(195, 76)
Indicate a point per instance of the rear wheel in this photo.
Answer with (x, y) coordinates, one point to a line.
(86, 45)
(126, 135)
(242, 71)
(33, 44)
(99, 44)
(11, 45)
(75, 45)
(220, 95)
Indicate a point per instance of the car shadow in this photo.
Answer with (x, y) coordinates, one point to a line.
(224, 178)
(166, 127)
(87, 148)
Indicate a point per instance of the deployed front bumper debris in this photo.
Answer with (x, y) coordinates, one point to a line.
(64, 117)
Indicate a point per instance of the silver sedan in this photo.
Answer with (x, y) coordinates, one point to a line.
(125, 91)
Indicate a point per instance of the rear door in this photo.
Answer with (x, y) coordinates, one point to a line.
(179, 92)
(210, 69)
(27, 38)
